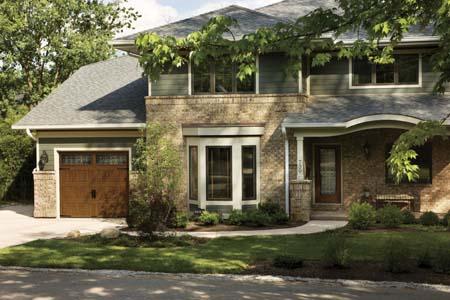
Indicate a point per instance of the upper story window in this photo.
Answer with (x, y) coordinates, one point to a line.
(220, 78)
(405, 71)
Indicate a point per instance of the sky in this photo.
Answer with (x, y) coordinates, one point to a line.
(159, 12)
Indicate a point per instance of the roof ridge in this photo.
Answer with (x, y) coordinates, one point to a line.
(105, 61)
(258, 12)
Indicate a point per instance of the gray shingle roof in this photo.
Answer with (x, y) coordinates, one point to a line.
(249, 21)
(342, 109)
(107, 92)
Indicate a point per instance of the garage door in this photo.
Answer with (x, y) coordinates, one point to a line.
(94, 184)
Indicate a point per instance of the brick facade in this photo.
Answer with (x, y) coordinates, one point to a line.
(233, 110)
(44, 194)
(360, 173)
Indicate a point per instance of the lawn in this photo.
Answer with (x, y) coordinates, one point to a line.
(222, 255)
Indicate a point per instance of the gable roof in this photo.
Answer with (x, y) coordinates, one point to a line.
(249, 21)
(100, 95)
(291, 10)
(341, 110)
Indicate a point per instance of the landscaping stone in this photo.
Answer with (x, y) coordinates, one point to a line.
(73, 234)
(110, 233)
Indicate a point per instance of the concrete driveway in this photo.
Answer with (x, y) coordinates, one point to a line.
(17, 226)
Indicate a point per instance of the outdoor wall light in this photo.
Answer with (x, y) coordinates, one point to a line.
(366, 150)
(44, 157)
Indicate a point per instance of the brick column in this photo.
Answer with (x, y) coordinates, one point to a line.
(44, 194)
(300, 198)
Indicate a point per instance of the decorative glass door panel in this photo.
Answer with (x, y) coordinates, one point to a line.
(327, 174)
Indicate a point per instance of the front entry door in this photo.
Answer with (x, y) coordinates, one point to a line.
(327, 174)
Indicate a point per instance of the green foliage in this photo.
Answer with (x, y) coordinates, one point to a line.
(279, 218)
(42, 42)
(446, 219)
(408, 217)
(16, 148)
(361, 215)
(336, 253)
(441, 262)
(289, 262)
(424, 258)
(397, 256)
(429, 218)
(256, 218)
(266, 214)
(402, 153)
(152, 205)
(390, 216)
(270, 208)
(179, 220)
(236, 217)
(209, 218)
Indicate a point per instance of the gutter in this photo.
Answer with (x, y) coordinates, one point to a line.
(28, 131)
(81, 126)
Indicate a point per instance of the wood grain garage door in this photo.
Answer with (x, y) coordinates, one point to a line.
(94, 184)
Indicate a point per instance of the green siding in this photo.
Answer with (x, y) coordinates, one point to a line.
(333, 79)
(175, 83)
(49, 144)
(273, 78)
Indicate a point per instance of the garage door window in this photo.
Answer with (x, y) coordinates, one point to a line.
(111, 159)
(76, 159)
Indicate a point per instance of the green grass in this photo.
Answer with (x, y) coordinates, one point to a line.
(222, 255)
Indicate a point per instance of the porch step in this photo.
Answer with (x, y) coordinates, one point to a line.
(327, 207)
(324, 215)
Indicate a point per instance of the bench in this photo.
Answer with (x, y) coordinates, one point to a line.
(394, 199)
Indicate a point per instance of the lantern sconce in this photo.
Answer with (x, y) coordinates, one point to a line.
(366, 150)
(43, 160)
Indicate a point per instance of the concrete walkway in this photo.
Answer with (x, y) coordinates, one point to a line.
(17, 226)
(27, 284)
(314, 226)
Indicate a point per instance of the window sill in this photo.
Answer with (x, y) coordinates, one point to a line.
(387, 86)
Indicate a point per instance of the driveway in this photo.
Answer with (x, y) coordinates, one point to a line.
(17, 226)
(55, 285)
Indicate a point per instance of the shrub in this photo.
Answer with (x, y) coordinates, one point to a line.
(390, 216)
(336, 252)
(287, 262)
(424, 259)
(180, 220)
(429, 218)
(408, 217)
(256, 218)
(361, 215)
(446, 219)
(441, 262)
(397, 256)
(279, 218)
(209, 218)
(270, 208)
(236, 217)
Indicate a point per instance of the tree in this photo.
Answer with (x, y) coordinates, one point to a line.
(314, 36)
(42, 42)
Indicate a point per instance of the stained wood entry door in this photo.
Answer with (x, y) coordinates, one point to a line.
(94, 184)
(327, 171)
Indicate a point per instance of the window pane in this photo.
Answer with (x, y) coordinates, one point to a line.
(327, 171)
(362, 72)
(248, 172)
(76, 159)
(408, 68)
(247, 85)
(224, 78)
(111, 159)
(218, 165)
(193, 172)
(385, 73)
(202, 79)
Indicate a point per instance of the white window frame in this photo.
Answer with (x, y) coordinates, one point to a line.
(236, 144)
(384, 86)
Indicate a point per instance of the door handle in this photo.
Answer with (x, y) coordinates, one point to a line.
(93, 194)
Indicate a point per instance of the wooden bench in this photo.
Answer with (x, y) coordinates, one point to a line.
(394, 199)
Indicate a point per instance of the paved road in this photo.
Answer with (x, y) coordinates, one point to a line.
(38, 285)
(17, 226)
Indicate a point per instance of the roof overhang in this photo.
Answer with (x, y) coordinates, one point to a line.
(223, 130)
(82, 126)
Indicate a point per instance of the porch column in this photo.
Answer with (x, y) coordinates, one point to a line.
(300, 157)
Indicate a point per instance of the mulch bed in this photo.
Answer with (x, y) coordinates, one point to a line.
(357, 271)
(193, 226)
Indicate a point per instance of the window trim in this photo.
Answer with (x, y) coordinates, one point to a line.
(389, 180)
(189, 172)
(383, 86)
(212, 82)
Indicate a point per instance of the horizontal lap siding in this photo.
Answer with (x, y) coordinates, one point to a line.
(49, 144)
(333, 79)
(175, 83)
(272, 75)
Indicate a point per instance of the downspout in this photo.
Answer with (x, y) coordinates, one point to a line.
(286, 170)
(28, 131)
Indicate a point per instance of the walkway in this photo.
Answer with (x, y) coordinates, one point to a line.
(314, 226)
(17, 226)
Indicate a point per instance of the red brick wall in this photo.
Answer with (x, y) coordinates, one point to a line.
(359, 172)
